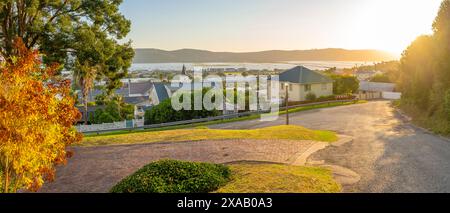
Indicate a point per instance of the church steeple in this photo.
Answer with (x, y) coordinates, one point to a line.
(183, 71)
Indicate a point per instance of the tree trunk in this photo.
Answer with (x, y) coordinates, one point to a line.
(85, 100)
(85, 114)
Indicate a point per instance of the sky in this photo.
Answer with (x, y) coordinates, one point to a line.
(257, 25)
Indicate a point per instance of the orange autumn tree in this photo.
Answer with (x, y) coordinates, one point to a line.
(37, 115)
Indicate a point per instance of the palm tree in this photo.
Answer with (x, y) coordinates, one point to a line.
(84, 76)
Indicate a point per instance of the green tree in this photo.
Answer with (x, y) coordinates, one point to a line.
(447, 105)
(417, 72)
(344, 84)
(381, 78)
(424, 74)
(127, 111)
(102, 116)
(164, 112)
(113, 110)
(69, 31)
(84, 76)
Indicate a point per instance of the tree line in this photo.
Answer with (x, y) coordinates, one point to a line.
(425, 75)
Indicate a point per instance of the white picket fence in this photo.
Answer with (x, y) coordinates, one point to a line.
(392, 95)
(379, 95)
(369, 95)
(109, 126)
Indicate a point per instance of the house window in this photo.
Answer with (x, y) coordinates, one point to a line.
(324, 87)
(282, 87)
(307, 88)
(291, 87)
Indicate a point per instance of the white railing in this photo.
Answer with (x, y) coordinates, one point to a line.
(110, 126)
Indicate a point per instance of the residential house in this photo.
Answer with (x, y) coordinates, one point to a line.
(136, 92)
(301, 81)
(141, 103)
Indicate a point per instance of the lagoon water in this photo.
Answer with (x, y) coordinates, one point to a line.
(314, 65)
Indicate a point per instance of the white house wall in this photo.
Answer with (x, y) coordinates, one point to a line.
(298, 92)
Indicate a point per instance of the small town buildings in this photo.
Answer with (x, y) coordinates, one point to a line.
(366, 86)
(136, 92)
(374, 90)
(301, 81)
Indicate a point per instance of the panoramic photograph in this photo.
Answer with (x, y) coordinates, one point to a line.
(212, 104)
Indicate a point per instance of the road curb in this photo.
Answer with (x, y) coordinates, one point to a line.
(408, 120)
(302, 159)
(343, 176)
(343, 139)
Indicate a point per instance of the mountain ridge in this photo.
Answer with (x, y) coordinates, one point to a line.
(153, 55)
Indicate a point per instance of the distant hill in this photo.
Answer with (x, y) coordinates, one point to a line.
(203, 56)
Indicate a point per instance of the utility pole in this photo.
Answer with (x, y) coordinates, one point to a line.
(287, 104)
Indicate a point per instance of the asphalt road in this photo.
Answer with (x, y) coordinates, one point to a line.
(388, 153)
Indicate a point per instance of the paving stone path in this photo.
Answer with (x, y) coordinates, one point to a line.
(97, 169)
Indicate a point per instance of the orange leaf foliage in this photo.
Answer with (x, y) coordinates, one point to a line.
(37, 115)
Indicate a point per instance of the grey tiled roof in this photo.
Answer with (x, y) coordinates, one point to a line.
(136, 100)
(161, 91)
(136, 89)
(140, 87)
(303, 75)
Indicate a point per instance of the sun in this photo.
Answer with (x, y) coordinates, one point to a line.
(393, 25)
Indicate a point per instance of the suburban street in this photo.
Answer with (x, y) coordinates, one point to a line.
(388, 153)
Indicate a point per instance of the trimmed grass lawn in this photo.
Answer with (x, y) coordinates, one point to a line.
(291, 132)
(276, 178)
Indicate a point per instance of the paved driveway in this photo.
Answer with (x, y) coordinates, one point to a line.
(389, 154)
(97, 169)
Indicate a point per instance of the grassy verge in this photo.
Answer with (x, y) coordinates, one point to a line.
(277, 132)
(436, 123)
(274, 178)
(246, 118)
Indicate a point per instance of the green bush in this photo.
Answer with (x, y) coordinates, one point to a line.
(170, 176)
(447, 105)
(344, 84)
(381, 78)
(164, 113)
(113, 111)
(311, 96)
